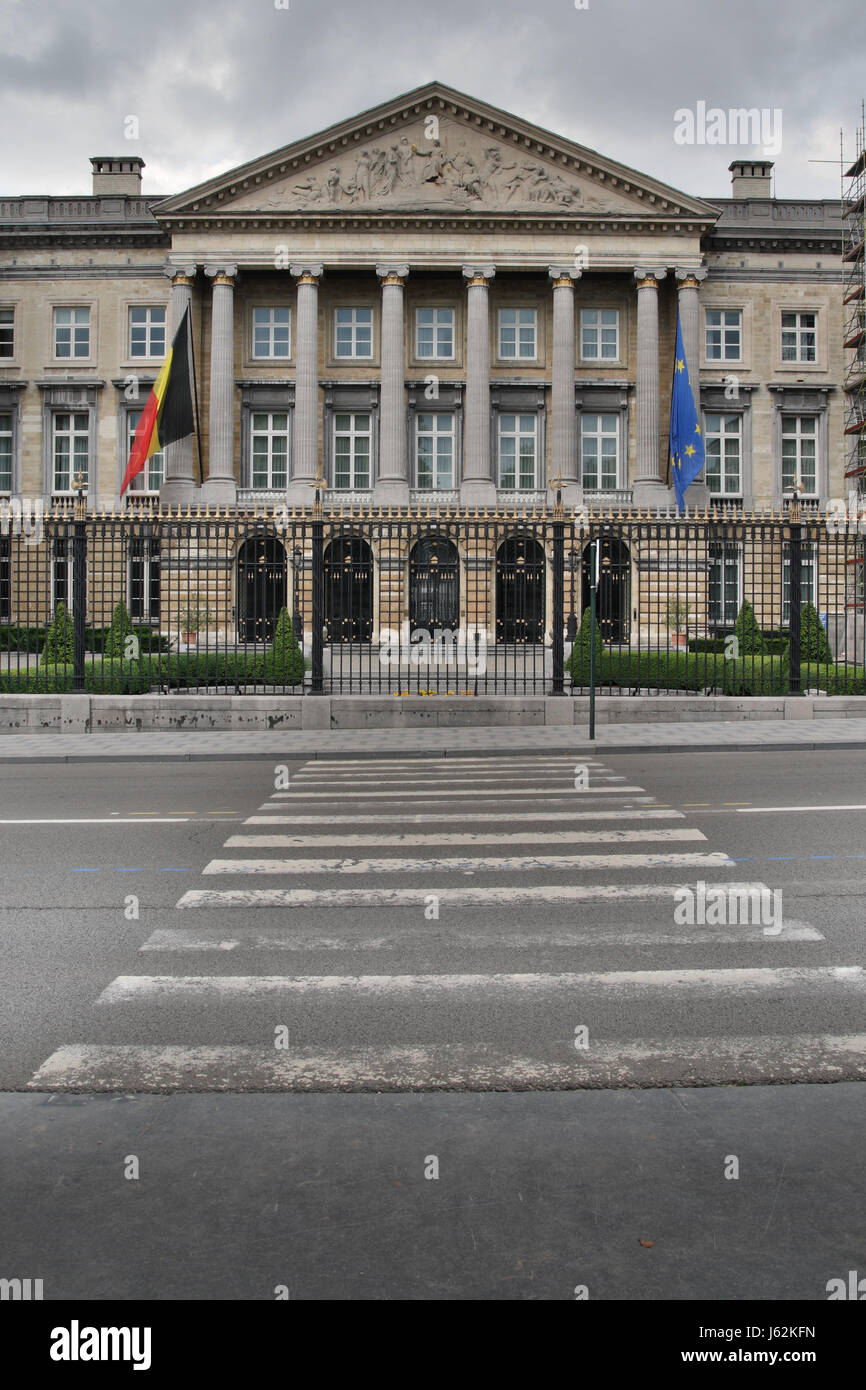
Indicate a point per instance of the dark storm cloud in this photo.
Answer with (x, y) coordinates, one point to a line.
(215, 82)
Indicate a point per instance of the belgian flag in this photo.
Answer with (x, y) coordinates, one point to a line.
(168, 415)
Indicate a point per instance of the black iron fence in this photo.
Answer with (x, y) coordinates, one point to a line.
(376, 603)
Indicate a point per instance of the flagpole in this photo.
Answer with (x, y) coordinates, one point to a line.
(195, 396)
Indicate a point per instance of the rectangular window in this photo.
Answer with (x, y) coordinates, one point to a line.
(723, 584)
(799, 453)
(5, 452)
(71, 448)
(151, 476)
(434, 333)
(599, 335)
(808, 579)
(434, 436)
(5, 579)
(351, 451)
(599, 451)
(518, 436)
(7, 333)
(799, 337)
(723, 439)
(71, 332)
(270, 450)
(724, 328)
(272, 335)
(517, 333)
(147, 331)
(353, 333)
(144, 579)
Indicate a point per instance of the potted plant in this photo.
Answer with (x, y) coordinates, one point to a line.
(193, 618)
(678, 620)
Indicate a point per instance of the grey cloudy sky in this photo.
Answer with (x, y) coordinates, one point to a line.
(216, 82)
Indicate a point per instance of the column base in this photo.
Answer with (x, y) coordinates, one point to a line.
(391, 492)
(653, 493)
(697, 495)
(477, 492)
(179, 492)
(572, 494)
(301, 493)
(221, 492)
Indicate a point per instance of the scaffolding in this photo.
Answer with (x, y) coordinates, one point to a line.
(854, 301)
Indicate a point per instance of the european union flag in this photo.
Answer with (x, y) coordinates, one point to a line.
(687, 440)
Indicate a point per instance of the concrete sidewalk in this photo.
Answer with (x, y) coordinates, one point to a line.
(764, 735)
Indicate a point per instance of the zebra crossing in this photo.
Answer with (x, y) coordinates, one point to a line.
(406, 977)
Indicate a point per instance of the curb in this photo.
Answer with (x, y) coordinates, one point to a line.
(368, 754)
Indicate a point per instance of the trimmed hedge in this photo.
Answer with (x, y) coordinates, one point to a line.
(752, 675)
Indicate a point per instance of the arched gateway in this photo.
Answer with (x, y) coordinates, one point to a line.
(348, 590)
(520, 582)
(261, 589)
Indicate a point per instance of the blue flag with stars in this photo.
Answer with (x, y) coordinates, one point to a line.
(687, 440)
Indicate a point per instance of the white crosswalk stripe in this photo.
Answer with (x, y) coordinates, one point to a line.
(557, 837)
(461, 966)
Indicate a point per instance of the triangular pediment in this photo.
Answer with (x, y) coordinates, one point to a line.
(434, 151)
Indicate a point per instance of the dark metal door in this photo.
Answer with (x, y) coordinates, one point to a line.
(349, 590)
(612, 611)
(520, 581)
(261, 588)
(434, 585)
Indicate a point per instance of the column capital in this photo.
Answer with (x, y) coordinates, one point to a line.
(690, 279)
(564, 276)
(479, 274)
(180, 274)
(392, 274)
(221, 274)
(307, 274)
(649, 278)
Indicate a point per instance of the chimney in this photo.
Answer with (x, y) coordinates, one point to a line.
(751, 178)
(117, 174)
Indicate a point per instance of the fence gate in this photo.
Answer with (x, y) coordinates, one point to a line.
(261, 588)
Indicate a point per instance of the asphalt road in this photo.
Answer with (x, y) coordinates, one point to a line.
(127, 971)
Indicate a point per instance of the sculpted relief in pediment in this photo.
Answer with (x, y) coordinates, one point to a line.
(457, 170)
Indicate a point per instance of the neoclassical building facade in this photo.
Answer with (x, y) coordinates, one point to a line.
(435, 303)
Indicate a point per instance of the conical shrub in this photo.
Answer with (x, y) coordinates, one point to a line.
(59, 648)
(283, 663)
(750, 638)
(579, 662)
(814, 643)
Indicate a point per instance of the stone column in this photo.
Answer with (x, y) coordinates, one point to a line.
(220, 485)
(392, 483)
(305, 445)
(688, 285)
(649, 490)
(180, 481)
(563, 420)
(477, 487)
